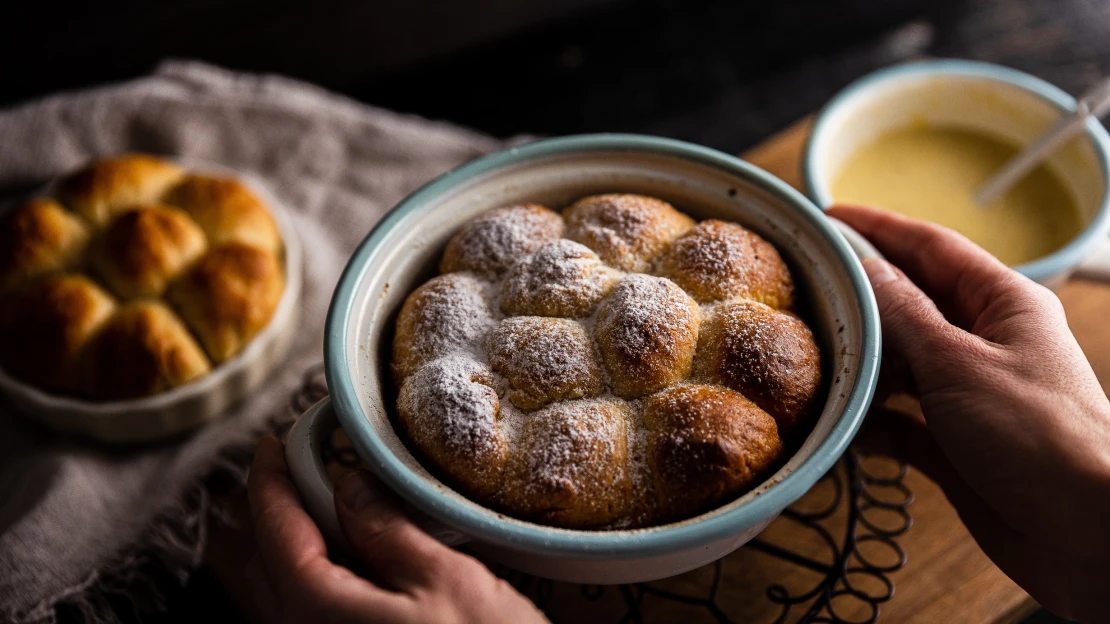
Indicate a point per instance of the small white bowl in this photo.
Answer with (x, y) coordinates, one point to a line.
(990, 99)
(185, 407)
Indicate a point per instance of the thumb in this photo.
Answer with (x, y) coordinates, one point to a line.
(397, 553)
(913, 327)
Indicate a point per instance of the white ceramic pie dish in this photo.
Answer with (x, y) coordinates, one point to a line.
(403, 251)
(185, 407)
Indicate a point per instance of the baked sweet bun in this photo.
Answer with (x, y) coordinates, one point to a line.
(647, 331)
(627, 231)
(46, 327)
(642, 370)
(769, 356)
(40, 237)
(142, 349)
(544, 360)
(146, 248)
(705, 444)
(227, 211)
(572, 467)
(450, 409)
(110, 288)
(490, 243)
(109, 186)
(448, 314)
(563, 278)
(228, 297)
(716, 260)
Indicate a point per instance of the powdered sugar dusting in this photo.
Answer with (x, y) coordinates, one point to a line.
(511, 418)
(716, 260)
(572, 465)
(455, 394)
(544, 359)
(713, 255)
(646, 315)
(563, 278)
(450, 409)
(647, 331)
(620, 223)
(571, 437)
(625, 230)
(448, 314)
(491, 243)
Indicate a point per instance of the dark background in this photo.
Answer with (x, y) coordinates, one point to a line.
(725, 74)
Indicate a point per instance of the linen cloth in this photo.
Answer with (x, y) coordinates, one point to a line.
(76, 518)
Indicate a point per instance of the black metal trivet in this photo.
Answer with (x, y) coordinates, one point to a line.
(851, 565)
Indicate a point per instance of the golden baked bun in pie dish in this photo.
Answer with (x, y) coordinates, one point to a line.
(104, 188)
(613, 365)
(134, 277)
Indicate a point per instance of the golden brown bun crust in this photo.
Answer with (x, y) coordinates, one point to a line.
(143, 349)
(647, 331)
(449, 409)
(715, 261)
(145, 249)
(545, 360)
(45, 326)
(572, 467)
(37, 238)
(627, 231)
(563, 278)
(228, 297)
(492, 242)
(706, 445)
(444, 315)
(227, 211)
(109, 186)
(771, 357)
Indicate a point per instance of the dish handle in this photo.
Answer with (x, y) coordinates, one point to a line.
(1097, 266)
(310, 475)
(863, 248)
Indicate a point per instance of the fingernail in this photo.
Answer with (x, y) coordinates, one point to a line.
(357, 490)
(269, 443)
(879, 271)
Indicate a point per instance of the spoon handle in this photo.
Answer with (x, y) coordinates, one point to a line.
(1030, 157)
(1094, 103)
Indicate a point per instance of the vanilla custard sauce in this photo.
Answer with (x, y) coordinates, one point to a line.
(933, 173)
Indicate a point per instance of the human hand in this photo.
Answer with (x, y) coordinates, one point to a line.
(1017, 427)
(412, 577)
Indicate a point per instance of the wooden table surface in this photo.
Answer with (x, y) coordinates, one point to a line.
(946, 577)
